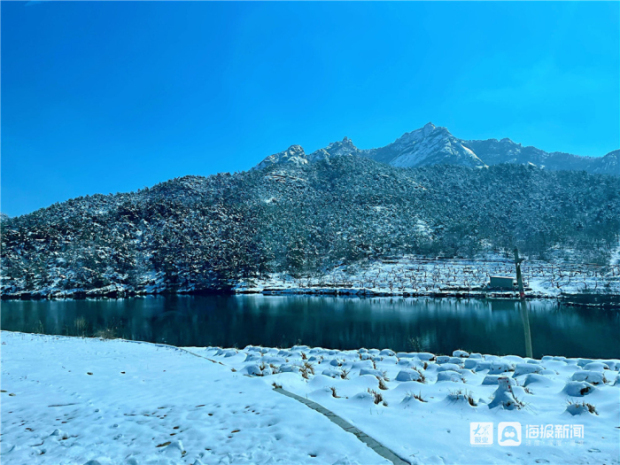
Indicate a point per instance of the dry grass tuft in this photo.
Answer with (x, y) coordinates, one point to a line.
(417, 396)
(382, 384)
(306, 370)
(586, 405)
(377, 397)
(464, 395)
(421, 373)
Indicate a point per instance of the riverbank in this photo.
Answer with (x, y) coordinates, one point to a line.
(601, 300)
(575, 284)
(74, 400)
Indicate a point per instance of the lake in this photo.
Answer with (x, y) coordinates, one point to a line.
(402, 324)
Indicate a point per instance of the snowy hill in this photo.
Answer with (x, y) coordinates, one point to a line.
(432, 145)
(197, 234)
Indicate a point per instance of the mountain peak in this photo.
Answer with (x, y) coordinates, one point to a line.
(428, 128)
(342, 148)
(294, 154)
(295, 149)
(429, 145)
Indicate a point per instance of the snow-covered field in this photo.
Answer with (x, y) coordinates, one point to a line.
(421, 276)
(77, 401)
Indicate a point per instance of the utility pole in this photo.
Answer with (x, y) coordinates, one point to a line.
(519, 276)
(523, 307)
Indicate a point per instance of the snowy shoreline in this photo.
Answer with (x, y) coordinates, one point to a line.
(410, 276)
(75, 400)
(597, 300)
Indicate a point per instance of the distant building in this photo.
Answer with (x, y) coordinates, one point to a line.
(501, 282)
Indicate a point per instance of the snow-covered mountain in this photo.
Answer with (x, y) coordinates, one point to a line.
(207, 234)
(426, 146)
(433, 145)
(302, 214)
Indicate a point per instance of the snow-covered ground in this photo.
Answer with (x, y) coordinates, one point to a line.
(424, 276)
(74, 400)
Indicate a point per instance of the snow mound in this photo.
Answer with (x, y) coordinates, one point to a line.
(578, 388)
(592, 377)
(408, 375)
(526, 369)
(460, 353)
(450, 375)
(596, 366)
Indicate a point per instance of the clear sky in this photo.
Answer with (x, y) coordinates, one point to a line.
(104, 97)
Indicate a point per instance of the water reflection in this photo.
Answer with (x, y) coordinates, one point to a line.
(527, 334)
(437, 325)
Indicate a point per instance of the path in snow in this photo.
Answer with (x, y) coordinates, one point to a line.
(345, 425)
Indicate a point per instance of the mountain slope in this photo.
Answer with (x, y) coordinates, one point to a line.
(205, 234)
(494, 152)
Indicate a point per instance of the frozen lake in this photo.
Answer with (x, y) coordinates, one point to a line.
(402, 324)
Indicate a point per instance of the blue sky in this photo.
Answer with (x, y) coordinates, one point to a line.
(105, 97)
